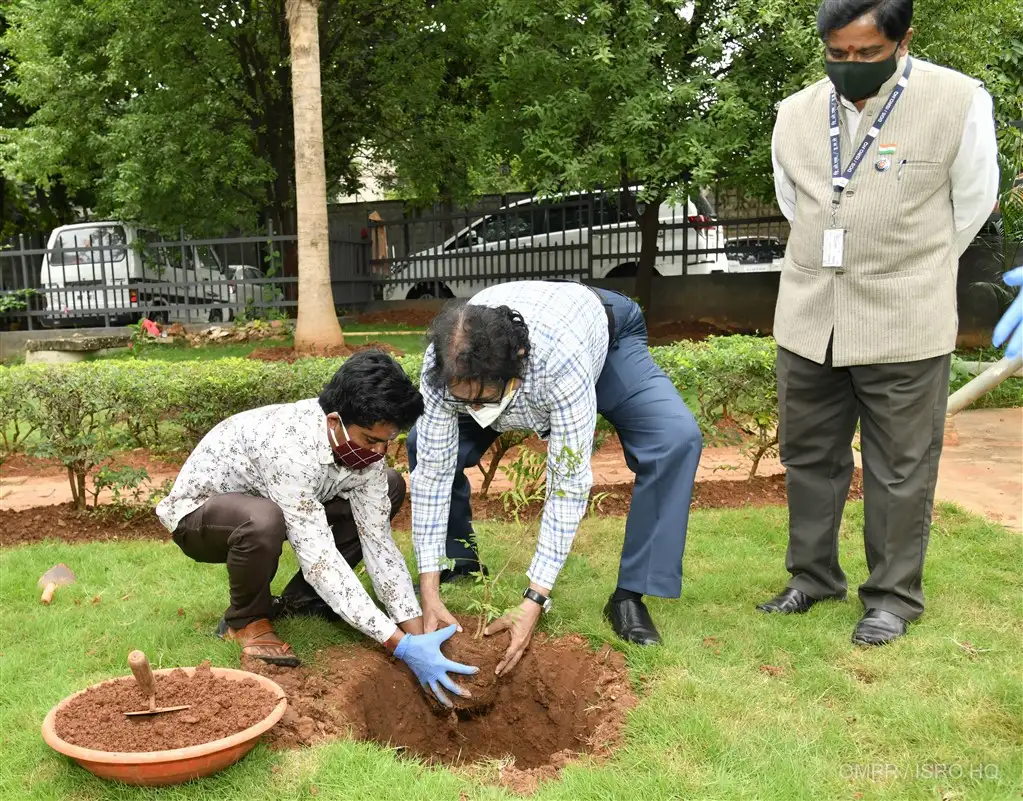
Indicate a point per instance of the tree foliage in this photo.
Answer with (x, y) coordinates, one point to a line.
(25, 208)
(668, 96)
(178, 112)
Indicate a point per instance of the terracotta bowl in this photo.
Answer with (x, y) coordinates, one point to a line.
(154, 768)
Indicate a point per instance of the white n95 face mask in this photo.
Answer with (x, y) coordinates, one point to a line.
(487, 414)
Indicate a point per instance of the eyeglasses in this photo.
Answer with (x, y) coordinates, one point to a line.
(479, 400)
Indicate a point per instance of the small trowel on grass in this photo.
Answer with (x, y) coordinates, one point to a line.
(147, 683)
(57, 576)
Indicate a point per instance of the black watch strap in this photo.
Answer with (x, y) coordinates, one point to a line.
(541, 600)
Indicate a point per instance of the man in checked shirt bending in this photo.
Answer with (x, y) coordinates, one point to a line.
(547, 357)
(311, 473)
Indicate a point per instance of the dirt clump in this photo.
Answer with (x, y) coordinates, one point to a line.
(561, 701)
(485, 653)
(220, 707)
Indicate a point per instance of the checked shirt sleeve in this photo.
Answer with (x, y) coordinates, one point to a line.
(431, 481)
(573, 409)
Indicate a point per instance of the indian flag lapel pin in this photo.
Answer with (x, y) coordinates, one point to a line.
(884, 158)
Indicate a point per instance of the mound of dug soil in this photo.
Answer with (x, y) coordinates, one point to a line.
(286, 354)
(220, 708)
(694, 331)
(413, 318)
(65, 523)
(563, 699)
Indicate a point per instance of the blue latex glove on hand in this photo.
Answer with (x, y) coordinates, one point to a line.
(421, 652)
(1010, 328)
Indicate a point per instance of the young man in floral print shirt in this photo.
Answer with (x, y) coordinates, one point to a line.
(311, 473)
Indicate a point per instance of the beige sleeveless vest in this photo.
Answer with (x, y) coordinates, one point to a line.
(894, 299)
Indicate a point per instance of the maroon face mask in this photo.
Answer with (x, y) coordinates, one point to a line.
(351, 456)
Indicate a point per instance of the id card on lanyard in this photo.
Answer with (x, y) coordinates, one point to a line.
(834, 237)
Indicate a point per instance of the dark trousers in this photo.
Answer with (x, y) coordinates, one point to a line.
(901, 412)
(662, 445)
(247, 532)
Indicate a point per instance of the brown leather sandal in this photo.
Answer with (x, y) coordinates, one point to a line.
(259, 641)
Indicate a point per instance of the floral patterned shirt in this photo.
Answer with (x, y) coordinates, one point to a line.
(281, 453)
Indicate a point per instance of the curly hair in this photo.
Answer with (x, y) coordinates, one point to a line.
(478, 344)
(370, 388)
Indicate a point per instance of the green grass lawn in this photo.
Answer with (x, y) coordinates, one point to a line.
(711, 724)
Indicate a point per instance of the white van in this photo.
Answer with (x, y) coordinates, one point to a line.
(98, 269)
(542, 239)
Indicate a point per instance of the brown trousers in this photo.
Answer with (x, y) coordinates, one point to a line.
(246, 532)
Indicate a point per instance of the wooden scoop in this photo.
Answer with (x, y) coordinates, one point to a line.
(147, 683)
(57, 576)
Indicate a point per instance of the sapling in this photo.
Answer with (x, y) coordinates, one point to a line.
(483, 604)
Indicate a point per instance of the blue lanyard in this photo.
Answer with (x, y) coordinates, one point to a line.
(839, 179)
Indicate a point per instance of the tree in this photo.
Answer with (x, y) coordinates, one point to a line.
(25, 208)
(317, 325)
(178, 112)
(659, 97)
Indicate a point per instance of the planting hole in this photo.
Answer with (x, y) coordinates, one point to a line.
(563, 699)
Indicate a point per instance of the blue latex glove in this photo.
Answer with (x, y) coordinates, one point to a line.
(421, 652)
(1010, 328)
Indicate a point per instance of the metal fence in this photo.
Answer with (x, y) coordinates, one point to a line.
(112, 273)
(582, 236)
(105, 274)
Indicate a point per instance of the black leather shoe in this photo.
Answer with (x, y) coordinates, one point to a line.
(632, 622)
(878, 627)
(788, 602)
(465, 571)
(282, 606)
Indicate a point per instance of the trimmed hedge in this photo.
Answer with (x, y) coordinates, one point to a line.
(82, 412)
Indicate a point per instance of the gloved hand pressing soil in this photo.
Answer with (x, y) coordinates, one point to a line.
(421, 652)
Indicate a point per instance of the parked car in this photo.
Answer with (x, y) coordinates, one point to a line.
(98, 269)
(754, 254)
(565, 238)
(248, 290)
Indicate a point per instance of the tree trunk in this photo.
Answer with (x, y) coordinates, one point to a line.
(499, 449)
(73, 481)
(648, 230)
(317, 325)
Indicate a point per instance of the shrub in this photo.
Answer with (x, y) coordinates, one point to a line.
(732, 382)
(412, 364)
(70, 409)
(137, 397)
(203, 393)
(309, 376)
(131, 489)
(1007, 394)
(15, 422)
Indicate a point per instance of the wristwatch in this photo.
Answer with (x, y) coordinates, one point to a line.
(541, 600)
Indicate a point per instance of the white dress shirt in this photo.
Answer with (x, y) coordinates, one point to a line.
(974, 172)
(281, 453)
(558, 400)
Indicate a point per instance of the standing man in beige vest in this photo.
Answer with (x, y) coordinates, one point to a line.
(887, 169)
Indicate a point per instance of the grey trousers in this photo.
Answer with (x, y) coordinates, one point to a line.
(901, 412)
